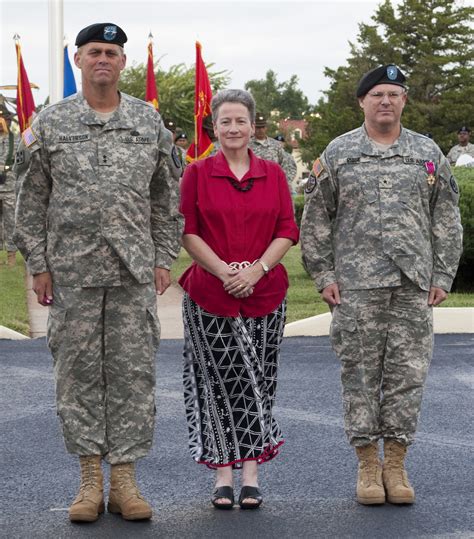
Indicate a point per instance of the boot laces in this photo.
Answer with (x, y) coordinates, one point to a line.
(370, 467)
(126, 480)
(89, 476)
(395, 464)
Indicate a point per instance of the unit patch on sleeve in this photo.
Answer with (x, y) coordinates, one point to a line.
(310, 184)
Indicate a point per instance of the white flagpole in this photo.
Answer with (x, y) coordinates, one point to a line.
(56, 50)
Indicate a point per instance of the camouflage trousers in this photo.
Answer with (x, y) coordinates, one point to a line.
(7, 201)
(384, 340)
(103, 342)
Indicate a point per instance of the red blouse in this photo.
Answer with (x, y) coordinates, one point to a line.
(237, 226)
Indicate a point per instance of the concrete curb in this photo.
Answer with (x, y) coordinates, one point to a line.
(7, 333)
(445, 319)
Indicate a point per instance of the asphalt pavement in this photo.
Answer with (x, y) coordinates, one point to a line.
(309, 489)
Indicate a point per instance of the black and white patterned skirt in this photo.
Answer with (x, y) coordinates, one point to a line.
(230, 379)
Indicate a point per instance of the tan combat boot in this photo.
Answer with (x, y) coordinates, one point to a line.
(395, 477)
(89, 502)
(11, 258)
(124, 497)
(369, 479)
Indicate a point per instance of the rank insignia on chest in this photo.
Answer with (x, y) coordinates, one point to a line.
(430, 169)
(317, 167)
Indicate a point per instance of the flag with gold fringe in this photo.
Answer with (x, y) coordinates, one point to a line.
(202, 145)
(151, 93)
(24, 98)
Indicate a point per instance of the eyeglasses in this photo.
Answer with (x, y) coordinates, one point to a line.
(390, 95)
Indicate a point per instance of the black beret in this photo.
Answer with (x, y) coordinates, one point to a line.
(103, 32)
(183, 136)
(389, 74)
(464, 129)
(280, 138)
(169, 124)
(260, 120)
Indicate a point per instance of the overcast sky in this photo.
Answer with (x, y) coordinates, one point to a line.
(246, 38)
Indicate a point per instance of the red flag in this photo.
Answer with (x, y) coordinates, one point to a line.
(151, 93)
(202, 145)
(25, 104)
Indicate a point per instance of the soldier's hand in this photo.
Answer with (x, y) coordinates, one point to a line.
(330, 295)
(43, 288)
(437, 296)
(162, 280)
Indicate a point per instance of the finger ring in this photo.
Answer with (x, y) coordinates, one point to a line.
(242, 286)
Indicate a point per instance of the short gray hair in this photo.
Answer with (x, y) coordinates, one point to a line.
(233, 96)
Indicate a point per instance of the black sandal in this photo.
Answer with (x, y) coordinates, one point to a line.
(223, 492)
(253, 493)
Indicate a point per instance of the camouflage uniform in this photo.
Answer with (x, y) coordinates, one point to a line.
(386, 231)
(456, 151)
(97, 207)
(7, 188)
(271, 150)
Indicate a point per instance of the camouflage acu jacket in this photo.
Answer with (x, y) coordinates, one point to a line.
(94, 196)
(271, 150)
(370, 215)
(7, 178)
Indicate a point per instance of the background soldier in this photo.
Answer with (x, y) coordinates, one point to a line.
(7, 183)
(181, 141)
(270, 149)
(463, 148)
(178, 155)
(381, 236)
(98, 224)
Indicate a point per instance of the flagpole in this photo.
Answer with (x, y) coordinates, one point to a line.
(56, 50)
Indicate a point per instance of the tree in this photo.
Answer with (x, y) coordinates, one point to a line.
(175, 90)
(431, 42)
(284, 97)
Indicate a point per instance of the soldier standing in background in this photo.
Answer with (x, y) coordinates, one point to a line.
(7, 183)
(463, 148)
(270, 149)
(98, 224)
(177, 154)
(381, 236)
(181, 141)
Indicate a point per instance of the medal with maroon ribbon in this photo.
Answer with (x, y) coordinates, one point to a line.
(430, 169)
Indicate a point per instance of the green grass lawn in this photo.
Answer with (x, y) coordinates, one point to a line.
(303, 299)
(13, 309)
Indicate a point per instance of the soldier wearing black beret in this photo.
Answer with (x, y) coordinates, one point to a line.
(104, 32)
(388, 74)
(97, 221)
(464, 147)
(381, 236)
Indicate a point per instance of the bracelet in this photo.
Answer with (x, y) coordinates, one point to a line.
(266, 269)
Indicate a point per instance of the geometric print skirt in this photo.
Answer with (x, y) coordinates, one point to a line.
(230, 380)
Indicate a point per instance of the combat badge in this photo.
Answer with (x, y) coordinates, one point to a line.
(430, 169)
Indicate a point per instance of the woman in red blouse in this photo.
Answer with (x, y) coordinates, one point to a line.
(239, 223)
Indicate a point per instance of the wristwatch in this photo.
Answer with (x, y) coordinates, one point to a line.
(266, 269)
